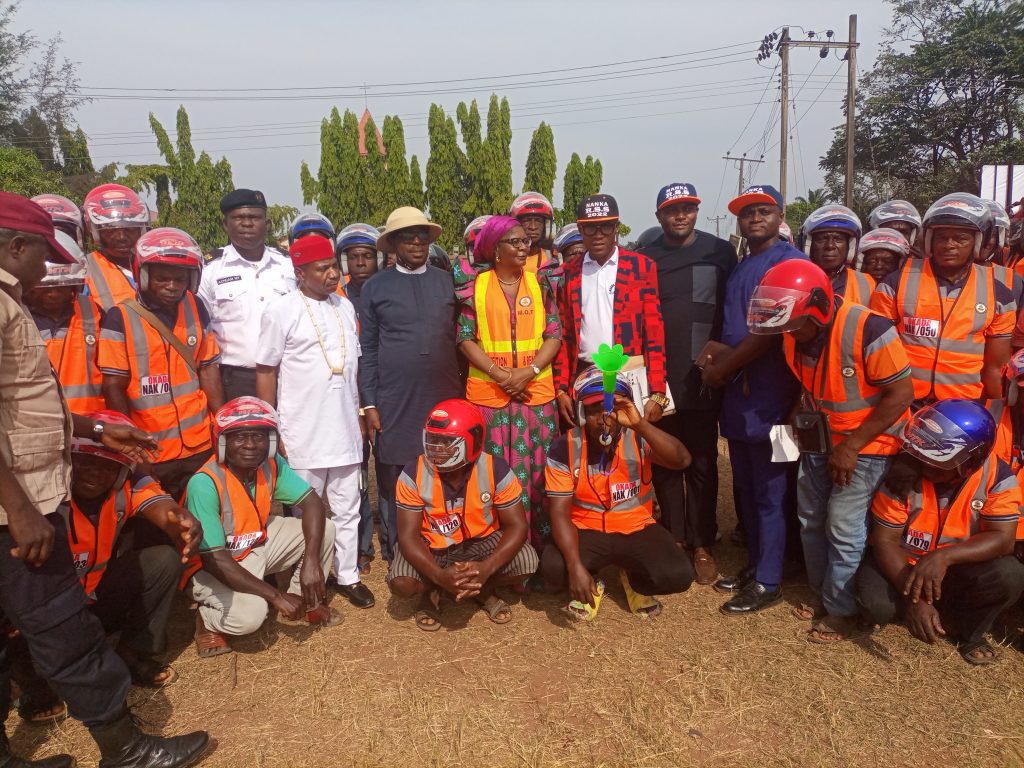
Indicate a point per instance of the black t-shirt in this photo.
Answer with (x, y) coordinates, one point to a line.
(691, 287)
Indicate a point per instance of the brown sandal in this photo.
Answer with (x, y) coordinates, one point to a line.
(808, 611)
(208, 642)
(831, 629)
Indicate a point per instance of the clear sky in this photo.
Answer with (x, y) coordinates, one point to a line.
(650, 122)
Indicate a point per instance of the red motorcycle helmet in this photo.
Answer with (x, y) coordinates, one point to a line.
(473, 232)
(96, 448)
(244, 412)
(788, 293)
(110, 206)
(65, 214)
(535, 204)
(453, 435)
(170, 246)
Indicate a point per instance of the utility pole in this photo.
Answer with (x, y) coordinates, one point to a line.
(823, 46)
(717, 219)
(742, 160)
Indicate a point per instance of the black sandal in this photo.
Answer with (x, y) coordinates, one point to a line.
(33, 708)
(967, 653)
(146, 673)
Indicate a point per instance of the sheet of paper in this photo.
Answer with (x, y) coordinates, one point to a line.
(784, 447)
(635, 372)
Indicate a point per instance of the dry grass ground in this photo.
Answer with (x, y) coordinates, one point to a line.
(688, 688)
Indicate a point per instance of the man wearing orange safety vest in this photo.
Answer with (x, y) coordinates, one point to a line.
(942, 538)
(159, 359)
(128, 586)
(242, 542)
(117, 218)
(69, 322)
(953, 316)
(856, 394)
(461, 526)
(598, 482)
(830, 236)
(537, 217)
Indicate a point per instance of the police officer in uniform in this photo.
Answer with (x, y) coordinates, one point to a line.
(239, 280)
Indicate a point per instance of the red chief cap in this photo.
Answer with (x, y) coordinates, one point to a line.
(22, 215)
(311, 248)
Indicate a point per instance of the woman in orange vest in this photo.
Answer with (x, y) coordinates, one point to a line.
(129, 586)
(598, 484)
(510, 333)
(69, 322)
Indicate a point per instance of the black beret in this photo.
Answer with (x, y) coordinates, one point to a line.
(242, 198)
(597, 208)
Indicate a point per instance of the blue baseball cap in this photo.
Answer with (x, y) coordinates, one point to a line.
(677, 192)
(759, 193)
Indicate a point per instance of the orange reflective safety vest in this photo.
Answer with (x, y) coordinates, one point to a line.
(443, 527)
(1020, 522)
(622, 500)
(243, 517)
(73, 357)
(107, 284)
(837, 382)
(1003, 446)
(92, 546)
(945, 337)
(859, 287)
(510, 339)
(164, 392)
(539, 259)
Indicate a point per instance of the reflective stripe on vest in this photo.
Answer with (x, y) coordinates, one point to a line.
(74, 358)
(946, 348)
(926, 530)
(163, 391)
(512, 346)
(633, 509)
(92, 546)
(836, 380)
(441, 529)
(859, 287)
(107, 284)
(243, 518)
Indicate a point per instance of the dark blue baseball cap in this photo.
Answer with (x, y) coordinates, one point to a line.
(677, 192)
(759, 193)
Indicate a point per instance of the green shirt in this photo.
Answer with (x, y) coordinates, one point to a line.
(203, 502)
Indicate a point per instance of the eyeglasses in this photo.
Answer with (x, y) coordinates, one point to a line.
(605, 228)
(408, 235)
(518, 242)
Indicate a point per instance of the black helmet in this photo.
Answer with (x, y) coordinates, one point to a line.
(438, 257)
(648, 236)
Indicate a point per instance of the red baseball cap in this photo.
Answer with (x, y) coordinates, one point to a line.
(22, 215)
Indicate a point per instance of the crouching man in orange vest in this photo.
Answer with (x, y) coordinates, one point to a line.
(598, 483)
(231, 496)
(130, 588)
(942, 543)
(160, 362)
(461, 524)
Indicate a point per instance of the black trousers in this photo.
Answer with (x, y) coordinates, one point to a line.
(67, 642)
(689, 498)
(650, 558)
(387, 479)
(973, 594)
(174, 475)
(237, 381)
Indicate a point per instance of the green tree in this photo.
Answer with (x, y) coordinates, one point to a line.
(280, 220)
(477, 157)
(944, 97)
(398, 189)
(22, 173)
(803, 206)
(499, 160)
(593, 176)
(541, 162)
(445, 192)
(417, 198)
(573, 185)
(376, 207)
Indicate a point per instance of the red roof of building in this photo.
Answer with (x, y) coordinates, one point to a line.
(362, 134)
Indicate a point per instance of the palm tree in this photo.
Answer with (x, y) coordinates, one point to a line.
(814, 200)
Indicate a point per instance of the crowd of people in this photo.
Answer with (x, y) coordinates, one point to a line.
(543, 408)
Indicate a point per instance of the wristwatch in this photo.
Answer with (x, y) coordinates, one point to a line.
(536, 370)
(660, 399)
(97, 430)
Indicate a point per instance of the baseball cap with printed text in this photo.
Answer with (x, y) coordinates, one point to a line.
(596, 208)
(759, 193)
(677, 192)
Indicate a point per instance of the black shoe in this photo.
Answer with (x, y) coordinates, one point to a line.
(737, 582)
(751, 599)
(7, 760)
(123, 745)
(358, 594)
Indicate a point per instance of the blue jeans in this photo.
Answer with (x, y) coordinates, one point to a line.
(761, 486)
(834, 526)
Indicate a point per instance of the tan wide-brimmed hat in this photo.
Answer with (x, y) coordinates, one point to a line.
(405, 217)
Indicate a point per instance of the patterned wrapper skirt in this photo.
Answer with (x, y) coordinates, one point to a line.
(521, 435)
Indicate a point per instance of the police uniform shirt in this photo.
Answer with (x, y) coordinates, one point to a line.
(235, 292)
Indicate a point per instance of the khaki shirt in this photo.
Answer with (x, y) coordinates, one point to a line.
(35, 424)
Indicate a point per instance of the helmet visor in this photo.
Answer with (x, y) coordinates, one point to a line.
(444, 452)
(773, 310)
(935, 440)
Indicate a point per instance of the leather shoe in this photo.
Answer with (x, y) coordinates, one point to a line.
(737, 582)
(704, 565)
(751, 599)
(7, 760)
(358, 594)
(123, 745)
